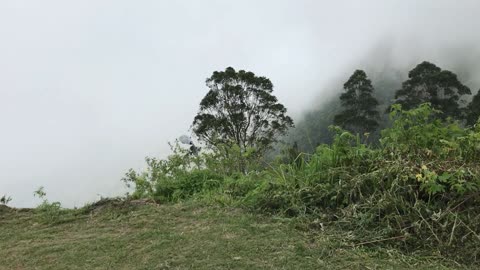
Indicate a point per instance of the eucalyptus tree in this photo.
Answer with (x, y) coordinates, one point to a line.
(240, 109)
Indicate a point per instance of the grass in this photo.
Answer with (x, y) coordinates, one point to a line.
(184, 236)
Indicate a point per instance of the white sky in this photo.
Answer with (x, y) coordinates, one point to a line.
(89, 88)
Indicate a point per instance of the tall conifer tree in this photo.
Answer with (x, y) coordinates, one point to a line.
(360, 114)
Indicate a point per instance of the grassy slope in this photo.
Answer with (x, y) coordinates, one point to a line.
(183, 236)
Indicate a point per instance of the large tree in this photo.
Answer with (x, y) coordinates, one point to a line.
(473, 110)
(429, 83)
(359, 112)
(239, 109)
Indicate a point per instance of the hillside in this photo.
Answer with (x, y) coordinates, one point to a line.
(116, 234)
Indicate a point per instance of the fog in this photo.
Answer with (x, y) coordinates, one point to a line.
(89, 88)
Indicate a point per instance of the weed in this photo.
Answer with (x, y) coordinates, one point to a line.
(50, 212)
(4, 200)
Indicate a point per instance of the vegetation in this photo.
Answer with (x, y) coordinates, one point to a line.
(413, 193)
(49, 212)
(473, 110)
(426, 83)
(119, 234)
(360, 114)
(240, 110)
(313, 129)
(4, 200)
(417, 190)
(429, 83)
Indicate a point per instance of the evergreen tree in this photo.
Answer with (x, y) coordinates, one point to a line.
(473, 110)
(429, 83)
(360, 112)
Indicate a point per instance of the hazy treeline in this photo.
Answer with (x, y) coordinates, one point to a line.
(387, 71)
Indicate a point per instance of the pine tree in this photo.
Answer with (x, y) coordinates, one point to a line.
(429, 83)
(360, 112)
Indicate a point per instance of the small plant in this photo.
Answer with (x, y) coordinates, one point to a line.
(40, 193)
(49, 212)
(4, 200)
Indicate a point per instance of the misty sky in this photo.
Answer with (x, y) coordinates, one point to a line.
(89, 88)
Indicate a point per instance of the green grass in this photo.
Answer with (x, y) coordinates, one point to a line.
(184, 236)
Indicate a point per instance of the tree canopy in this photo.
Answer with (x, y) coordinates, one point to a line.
(429, 83)
(473, 110)
(240, 109)
(359, 106)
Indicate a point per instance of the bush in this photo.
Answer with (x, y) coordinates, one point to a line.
(419, 188)
(50, 212)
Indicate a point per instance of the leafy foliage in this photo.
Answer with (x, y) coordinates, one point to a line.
(240, 110)
(360, 114)
(419, 189)
(50, 212)
(313, 128)
(429, 83)
(183, 176)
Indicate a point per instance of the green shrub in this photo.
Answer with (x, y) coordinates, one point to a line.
(50, 212)
(178, 177)
(419, 188)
